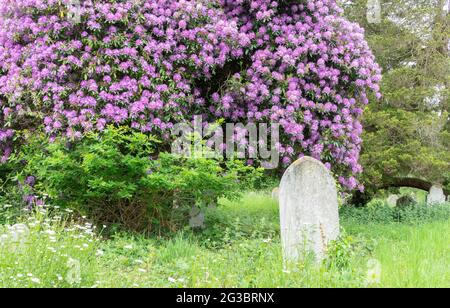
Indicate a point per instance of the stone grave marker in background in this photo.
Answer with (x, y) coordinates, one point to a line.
(436, 195)
(197, 219)
(392, 200)
(308, 210)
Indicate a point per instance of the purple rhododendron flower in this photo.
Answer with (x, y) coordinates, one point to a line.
(146, 63)
(30, 181)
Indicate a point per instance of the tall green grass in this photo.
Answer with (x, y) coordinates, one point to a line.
(240, 247)
(45, 251)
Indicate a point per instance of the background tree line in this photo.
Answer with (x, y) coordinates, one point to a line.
(407, 133)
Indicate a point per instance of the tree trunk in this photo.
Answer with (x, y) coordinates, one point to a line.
(412, 183)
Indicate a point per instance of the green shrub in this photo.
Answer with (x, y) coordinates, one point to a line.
(413, 214)
(342, 252)
(376, 203)
(117, 179)
(16, 193)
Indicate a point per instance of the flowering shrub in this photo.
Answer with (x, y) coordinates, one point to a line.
(152, 63)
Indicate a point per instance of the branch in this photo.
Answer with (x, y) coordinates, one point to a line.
(412, 183)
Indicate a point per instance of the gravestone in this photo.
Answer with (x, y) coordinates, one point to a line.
(197, 219)
(436, 195)
(392, 200)
(276, 194)
(308, 210)
(406, 201)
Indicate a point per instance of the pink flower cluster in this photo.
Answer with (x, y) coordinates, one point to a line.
(148, 64)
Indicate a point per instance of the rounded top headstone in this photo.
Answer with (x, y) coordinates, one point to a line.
(308, 209)
(436, 195)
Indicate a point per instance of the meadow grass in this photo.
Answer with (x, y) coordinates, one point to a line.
(44, 251)
(240, 247)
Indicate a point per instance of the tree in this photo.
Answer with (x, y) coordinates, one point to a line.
(407, 135)
(153, 63)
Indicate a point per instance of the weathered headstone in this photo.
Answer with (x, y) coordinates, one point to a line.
(436, 195)
(392, 200)
(276, 194)
(406, 201)
(308, 210)
(197, 219)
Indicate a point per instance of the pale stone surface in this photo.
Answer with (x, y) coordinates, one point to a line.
(392, 200)
(308, 209)
(436, 195)
(197, 219)
(276, 194)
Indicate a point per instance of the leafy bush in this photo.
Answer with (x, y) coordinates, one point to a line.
(16, 192)
(150, 64)
(376, 203)
(115, 178)
(414, 213)
(342, 252)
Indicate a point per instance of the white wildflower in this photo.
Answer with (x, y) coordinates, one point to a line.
(74, 271)
(373, 272)
(50, 232)
(36, 280)
(19, 232)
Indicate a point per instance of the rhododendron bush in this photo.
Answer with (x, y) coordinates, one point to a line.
(150, 64)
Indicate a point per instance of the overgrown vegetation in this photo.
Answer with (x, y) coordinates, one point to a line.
(406, 139)
(244, 251)
(117, 179)
(91, 197)
(412, 215)
(153, 64)
(48, 251)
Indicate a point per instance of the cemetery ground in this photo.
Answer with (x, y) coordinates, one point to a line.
(239, 247)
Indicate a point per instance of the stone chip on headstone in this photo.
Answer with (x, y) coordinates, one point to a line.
(436, 195)
(308, 210)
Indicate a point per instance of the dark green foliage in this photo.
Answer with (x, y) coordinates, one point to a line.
(406, 201)
(342, 252)
(407, 133)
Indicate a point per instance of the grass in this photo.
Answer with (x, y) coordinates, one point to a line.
(47, 252)
(239, 248)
